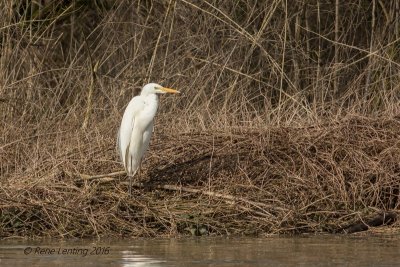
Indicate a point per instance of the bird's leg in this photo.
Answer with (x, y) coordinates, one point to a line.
(140, 169)
(130, 185)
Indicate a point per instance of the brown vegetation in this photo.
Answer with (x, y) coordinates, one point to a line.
(289, 121)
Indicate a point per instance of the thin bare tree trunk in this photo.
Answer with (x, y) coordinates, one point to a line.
(318, 84)
(336, 59)
(371, 45)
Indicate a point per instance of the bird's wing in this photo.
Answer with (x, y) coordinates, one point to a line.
(146, 137)
(128, 122)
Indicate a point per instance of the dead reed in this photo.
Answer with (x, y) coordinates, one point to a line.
(289, 121)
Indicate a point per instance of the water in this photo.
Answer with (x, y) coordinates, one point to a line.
(272, 251)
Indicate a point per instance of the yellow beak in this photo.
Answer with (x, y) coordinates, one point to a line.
(169, 90)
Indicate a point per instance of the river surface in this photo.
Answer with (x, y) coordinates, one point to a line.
(206, 251)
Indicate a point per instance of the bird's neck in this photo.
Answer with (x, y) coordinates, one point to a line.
(151, 100)
(151, 97)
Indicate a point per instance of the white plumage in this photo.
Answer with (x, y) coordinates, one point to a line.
(137, 127)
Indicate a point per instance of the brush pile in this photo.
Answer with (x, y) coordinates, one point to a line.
(276, 180)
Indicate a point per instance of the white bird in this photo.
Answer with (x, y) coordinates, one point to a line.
(137, 126)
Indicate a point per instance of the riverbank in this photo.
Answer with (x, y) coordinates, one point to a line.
(278, 180)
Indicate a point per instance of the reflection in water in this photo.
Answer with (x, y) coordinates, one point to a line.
(274, 251)
(131, 259)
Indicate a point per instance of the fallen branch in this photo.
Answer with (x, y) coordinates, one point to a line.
(230, 199)
(226, 197)
(383, 218)
(86, 177)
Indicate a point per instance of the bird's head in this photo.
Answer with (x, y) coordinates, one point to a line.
(153, 88)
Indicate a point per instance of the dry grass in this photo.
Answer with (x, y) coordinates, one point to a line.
(285, 126)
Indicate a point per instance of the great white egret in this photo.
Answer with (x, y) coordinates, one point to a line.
(137, 126)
